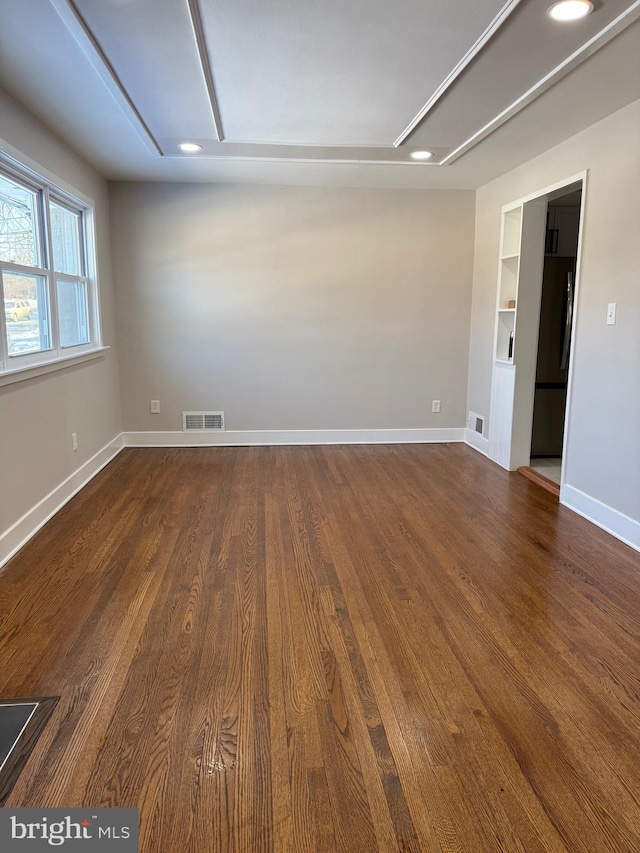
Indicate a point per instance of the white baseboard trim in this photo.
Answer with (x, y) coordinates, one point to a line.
(616, 523)
(24, 528)
(477, 441)
(251, 438)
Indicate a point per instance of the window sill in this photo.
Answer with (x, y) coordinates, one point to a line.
(32, 370)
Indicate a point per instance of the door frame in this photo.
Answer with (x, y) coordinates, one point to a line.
(543, 195)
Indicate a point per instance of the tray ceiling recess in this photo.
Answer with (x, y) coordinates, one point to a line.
(362, 82)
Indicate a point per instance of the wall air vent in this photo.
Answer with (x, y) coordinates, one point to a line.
(476, 423)
(202, 421)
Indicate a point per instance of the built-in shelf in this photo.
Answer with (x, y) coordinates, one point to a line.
(521, 257)
(504, 339)
(508, 280)
(511, 229)
(508, 284)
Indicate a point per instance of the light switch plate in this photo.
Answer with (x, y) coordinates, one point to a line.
(611, 314)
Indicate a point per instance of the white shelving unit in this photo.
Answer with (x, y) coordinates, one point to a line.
(516, 332)
(508, 282)
(511, 231)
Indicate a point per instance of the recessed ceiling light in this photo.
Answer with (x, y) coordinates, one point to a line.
(570, 10)
(189, 147)
(422, 155)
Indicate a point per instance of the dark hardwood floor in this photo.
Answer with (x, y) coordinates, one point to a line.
(393, 648)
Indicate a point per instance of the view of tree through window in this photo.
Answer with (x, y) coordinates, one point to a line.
(18, 224)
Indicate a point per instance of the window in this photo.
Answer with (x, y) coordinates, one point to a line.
(49, 305)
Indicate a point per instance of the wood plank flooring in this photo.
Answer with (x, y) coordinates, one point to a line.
(391, 648)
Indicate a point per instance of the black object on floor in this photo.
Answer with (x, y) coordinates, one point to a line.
(21, 724)
(13, 719)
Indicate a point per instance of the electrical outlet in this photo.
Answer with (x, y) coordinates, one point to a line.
(155, 407)
(435, 405)
(74, 441)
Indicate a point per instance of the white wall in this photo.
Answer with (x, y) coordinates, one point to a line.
(37, 416)
(293, 308)
(603, 450)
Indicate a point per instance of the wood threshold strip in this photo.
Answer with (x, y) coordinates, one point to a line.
(540, 479)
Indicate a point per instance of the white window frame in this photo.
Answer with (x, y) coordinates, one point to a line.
(23, 365)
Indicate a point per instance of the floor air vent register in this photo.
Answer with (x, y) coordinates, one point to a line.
(476, 423)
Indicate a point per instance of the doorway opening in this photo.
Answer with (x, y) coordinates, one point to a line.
(532, 374)
(554, 333)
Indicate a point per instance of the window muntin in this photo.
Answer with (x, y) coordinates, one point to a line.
(48, 309)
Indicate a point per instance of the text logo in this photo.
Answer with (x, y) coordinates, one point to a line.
(83, 830)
